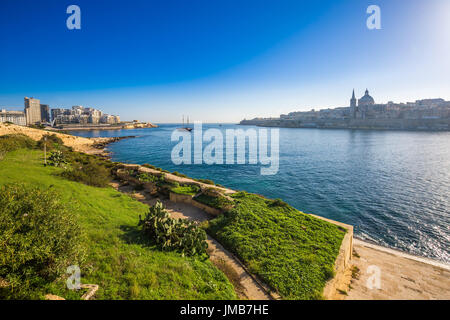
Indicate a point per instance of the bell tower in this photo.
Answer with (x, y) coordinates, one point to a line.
(353, 106)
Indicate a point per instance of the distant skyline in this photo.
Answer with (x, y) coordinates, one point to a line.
(221, 61)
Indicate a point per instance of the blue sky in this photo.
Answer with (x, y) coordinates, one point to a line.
(221, 60)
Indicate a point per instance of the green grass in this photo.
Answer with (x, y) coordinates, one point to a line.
(190, 190)
(120, 260)
(294, 253)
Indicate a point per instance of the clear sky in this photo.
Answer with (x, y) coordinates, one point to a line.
(221, 60)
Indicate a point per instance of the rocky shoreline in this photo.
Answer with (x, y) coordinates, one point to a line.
(102, 144)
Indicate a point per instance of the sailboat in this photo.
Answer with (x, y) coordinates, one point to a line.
(185, 128)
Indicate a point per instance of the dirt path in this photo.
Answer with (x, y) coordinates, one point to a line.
(401, 276)
(246, 286)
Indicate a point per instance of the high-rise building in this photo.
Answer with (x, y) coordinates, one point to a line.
(32, 110)
(45, 113)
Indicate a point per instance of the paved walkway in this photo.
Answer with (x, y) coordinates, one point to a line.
(401, 276)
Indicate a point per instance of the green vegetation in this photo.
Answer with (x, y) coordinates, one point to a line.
(57, 159)
(154, 168)
(173, 234)
(188, 189)
(145, 177)
(175, 173)
(119, 258)
(11, 142)
(51, 141)
(217, 201)
(292, 252)
(205, 181)
(39, 239)
(91, 174)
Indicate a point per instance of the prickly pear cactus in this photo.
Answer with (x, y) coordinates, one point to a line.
(173, 234)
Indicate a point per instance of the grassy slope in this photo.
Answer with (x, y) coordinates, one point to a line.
(119, 260)
(291, 251)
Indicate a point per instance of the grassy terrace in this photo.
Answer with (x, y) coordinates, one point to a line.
(119, 259)
(292, 252)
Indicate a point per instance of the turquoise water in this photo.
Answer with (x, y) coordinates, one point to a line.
(394, 187)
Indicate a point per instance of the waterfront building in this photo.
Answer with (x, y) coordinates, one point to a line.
(45, 113)
(426, 114)
(366, 100)
(32, 110)
(15, 117)
(57, 112)
(82, 116)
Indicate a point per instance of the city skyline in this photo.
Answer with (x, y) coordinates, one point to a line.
(251, 62)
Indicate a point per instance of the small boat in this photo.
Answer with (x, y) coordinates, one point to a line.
(185, 128)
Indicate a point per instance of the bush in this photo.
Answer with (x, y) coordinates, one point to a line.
(277, 203)
(52, 142)
(176, 173)
(205, 181)
(145, 177)
(39, 239)
(173, 234)
(218, 201)
(11, 142)
(91, 173)
(57, 159)
(189, 189)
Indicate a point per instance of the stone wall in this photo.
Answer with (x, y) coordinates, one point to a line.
(343, 261)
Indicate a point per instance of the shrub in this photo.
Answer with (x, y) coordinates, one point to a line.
(173, 234)
(39, 239)
(149, 166)
(57, 159)
(205, 181)
(176, 173)
(11, 142)
(277, 203)
(52, 142)
(37, 126)
(217, 201)
(189, 189)
(91, 173)
(145, 177)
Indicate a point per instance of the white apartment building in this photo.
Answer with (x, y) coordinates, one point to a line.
(16, 117)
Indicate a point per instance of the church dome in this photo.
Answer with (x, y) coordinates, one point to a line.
(366, 100)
